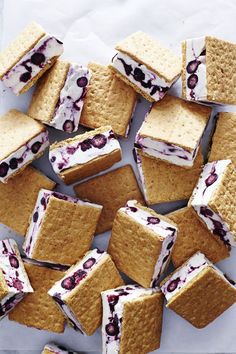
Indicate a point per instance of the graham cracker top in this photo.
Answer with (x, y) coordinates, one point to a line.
(146, 50)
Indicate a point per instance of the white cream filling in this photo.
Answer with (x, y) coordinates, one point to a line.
(9, 302)
(48, 46)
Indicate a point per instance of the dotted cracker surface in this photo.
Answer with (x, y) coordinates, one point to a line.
(109, 101)
(184, 64)
(142, 317)
(112, 190)
(38, 309)
(194, 236)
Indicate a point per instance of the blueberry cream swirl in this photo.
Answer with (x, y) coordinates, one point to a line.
(210, 179)
(114, 301)
(25, 154)
(75, 275)
(165, 231)
(30, 65)
(14, 276)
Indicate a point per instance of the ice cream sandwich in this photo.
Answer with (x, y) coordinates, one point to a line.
(14, 281)
(172, 131)
(198, 291)
(85, 154)
(78, 293)
(129, 310)
(214, 200)
(61, 228)
(22, 140)
(146, 65)
(209, 67)
(52, 348)
(27, 57)
(59, 96)
(141, 243)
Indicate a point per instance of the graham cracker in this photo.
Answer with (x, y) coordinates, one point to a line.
(21, 45)
(18, 198)
(47, 92)
(142, 317)
(148, 51)
(223, 142)
(165, 182)
(176, 121)
(3, 285)
(204, 298)
(184, 65)
(194, 236)
(85, 299)
(16, 128)
(38, 309)
(109, 101)
(66, 226)
(112, 190)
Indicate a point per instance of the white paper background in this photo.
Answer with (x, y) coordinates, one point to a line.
(90, 30)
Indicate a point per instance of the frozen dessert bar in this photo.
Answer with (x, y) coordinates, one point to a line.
(27, 57)
(214, 201)
(52, 348)
(59, 96)
(18, 198)
(198, 291)
(85, 154)
(146, 65)
(14, 282)
(61, 228)
(22, 140)
(129, 310)
(208, 70)
(78, 293)
(172, 131)
(112, 190)
(109, 101)
(141, 243)
(38, 310)
(223, 143)
(165, 182)
(194, 236)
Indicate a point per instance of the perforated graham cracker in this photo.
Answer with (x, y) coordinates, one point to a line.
(176, 121)
(112, 190)
(223, 142)
(85, 299)
(21, 45)
(204, 298)
(38, 309)
(109, 101)
(165, 182)
(47, 92)
(148, 51)
(142, 317)
(194, 236)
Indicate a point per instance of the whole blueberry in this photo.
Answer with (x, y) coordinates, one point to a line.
(211, 179)
(25, 77)
(35, 147)
(35, 216)
(43, 202)
(89, 263)
(138, 74)
(112, 329)
(14, 261)
(13, 163)
(68, 126)
(82, 81)
(85, 145)
(192, 66)
(3, 169)
(205, 211)
(37, 58)
(219, 231)
(192, 81)
(153, 220)
(133, 209)
(173, 285)
(68, 283)
(99, 141)
(79, 275)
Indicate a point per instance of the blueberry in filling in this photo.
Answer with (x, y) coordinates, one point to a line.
(173, 285)
(25, 77)
(205, 211)
(37, 58)
(3, 169)
(192, 81)
(139, 75)
(133, 209)
(99, 141)
(14, 261)
(68, 126)
(153, 220)
(68, 283)
(13, 163)
(112, 329)
(53, 159)
(193, 66)
(35, 147)
(85, 145)
(89, 263)
(127, 68)
(82, 81)
(35, 216)
(79, 275)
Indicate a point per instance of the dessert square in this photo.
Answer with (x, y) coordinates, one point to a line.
(141, 243)
(27, 57)
(214, 201)
(198, 291)
(128, 310)
(85, 155)
(14, 282)
(18, 197)
(22, 140)
(146, 65)
(59, 96)
(61, 228)
(194, 236)
(208, 70)
(38, 309)
(78, 293)
(109, 101)
(165, 182)
(172, 131)
(112, 190)
(52, 348)
(223, 142)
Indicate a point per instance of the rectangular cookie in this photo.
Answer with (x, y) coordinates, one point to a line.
(52, 348)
